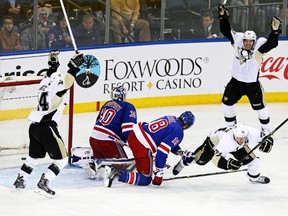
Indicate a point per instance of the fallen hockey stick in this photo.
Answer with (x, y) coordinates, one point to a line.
(264, 140)
(203, 174)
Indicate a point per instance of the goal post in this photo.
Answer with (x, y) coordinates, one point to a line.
(18, 97)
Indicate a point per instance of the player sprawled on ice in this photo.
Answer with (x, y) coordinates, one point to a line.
(43, 131)
(248, 53)
(110, 133)
(223, 142)
(159, 137)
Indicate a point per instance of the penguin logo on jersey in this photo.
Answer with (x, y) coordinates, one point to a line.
(244, 55)
(89, 72)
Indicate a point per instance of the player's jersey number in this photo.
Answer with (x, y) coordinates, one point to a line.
(107, 116)
(43, 103)
(155, 126)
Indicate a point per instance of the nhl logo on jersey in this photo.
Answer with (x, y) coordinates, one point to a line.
(89, 72)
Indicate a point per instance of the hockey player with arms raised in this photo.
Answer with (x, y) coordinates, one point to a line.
(43, 131)
(159, 137)
(222, 142)
(110, 132)
(248, 53)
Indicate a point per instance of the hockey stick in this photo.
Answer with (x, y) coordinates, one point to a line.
(69, 27)
(264, 140)
(204, 174)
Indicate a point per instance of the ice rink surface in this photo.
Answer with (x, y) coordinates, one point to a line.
(217, 195)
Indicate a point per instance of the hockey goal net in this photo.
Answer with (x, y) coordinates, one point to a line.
(18, 97)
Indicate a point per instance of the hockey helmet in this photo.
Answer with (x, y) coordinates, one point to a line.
(187, 119)
(118, 93)
(249, 35)
(240, 133)
(57, 77)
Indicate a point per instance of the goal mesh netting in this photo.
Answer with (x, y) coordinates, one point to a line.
(18, 97)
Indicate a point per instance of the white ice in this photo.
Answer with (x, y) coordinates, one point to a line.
(218, 195)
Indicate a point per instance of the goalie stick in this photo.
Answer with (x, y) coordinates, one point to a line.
(264, 140)
(203, 174)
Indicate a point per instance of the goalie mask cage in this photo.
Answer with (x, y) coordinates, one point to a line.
(18, 97)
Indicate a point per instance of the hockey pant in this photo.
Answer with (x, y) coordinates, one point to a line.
(252, 162)
(144, 164)
(106, 149)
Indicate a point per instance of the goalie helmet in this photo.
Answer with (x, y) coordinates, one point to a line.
(57, 77)
(118, 93)
(240, 131)
(187, 119)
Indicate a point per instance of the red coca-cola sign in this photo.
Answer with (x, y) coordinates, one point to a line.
(274, 68)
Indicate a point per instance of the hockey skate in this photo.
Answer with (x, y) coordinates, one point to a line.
(261, 180)
(110, 175)
(19, 183)
(43, 188)
(178, 167)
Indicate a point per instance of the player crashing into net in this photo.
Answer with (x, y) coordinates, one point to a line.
(43, 131)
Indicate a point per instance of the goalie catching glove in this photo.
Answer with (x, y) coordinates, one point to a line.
(222, 11)
(75, 62)
(267, 145)
(276, 25)
(158, 176)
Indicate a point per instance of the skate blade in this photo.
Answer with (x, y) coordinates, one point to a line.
(43, 193)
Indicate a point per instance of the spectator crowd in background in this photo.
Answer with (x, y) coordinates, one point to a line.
(130, 21)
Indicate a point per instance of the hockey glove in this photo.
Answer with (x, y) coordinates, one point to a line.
(222, 12)
(267, 145)
(158, 176)
(75, 62)
(187, 157)
(276, 25)
(233, 164)
(53, 60)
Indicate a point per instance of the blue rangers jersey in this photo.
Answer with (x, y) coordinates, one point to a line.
(161, 136)
(115, 119)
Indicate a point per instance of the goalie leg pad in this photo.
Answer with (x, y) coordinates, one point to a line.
(81, 155)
